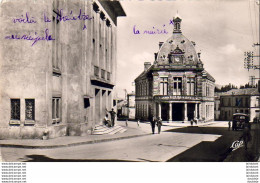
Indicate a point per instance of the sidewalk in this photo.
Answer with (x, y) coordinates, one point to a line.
(186, 124)
(133, 131)
(68, 141)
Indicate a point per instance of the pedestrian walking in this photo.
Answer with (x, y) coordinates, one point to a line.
(234, 125)
(126, 122)
(153, 122)
(113, 116)
(246, 133)
(159, 124)
(191, 122)
(229, 125)
(138, 122)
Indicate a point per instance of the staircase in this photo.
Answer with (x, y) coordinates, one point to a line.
(102, 129)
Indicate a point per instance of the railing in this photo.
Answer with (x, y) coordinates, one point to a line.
(96, 71)
(103, 72)
(177, 97)
(108, 76)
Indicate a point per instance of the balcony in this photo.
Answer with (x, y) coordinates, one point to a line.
(96, 71)
(177, 97)
(103, 72)
(108, 76)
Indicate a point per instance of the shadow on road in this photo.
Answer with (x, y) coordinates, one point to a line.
(42, 158)
(216, 151)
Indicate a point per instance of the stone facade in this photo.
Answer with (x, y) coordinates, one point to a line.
(239, 101)
(176, 87)
(63, 84)
(131, 105)
(217, 107)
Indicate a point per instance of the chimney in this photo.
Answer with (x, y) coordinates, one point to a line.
(147, 65)
(199, 55)
(155, 56)
(160, 44)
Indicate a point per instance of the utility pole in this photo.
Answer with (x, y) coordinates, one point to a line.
(249, 62)
(252, 81)
(249, 65)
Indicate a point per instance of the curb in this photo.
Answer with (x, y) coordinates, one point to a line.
(72, 144)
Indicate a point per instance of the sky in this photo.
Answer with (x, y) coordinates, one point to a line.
(222, 31)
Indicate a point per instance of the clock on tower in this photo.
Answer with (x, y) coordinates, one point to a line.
(177, 59)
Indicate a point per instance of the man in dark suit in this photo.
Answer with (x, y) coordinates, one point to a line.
(153, 122)
(113, 116)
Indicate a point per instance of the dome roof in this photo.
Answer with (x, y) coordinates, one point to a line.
(178, 44)
(177, 50)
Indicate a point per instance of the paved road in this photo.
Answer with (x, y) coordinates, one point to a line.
(157, 147)
(210, 143)
(218, 150)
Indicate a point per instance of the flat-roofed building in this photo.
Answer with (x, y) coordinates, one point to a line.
(61, 84)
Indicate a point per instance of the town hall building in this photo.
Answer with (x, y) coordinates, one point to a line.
(176, 87)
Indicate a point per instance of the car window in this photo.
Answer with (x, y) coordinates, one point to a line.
(239, 117)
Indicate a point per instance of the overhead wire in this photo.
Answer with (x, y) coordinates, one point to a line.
(257, 27)
(252, 29)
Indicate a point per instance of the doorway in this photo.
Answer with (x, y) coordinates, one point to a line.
(164, 111)
(191, 111)
(177, 111)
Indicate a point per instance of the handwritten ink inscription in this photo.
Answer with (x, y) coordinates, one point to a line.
(61, 16)
(34, 38)
(153, 30)
(25, 19)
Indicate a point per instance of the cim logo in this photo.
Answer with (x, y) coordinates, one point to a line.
(236, 144)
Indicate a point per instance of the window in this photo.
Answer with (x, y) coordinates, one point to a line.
(207, 90)
(103, 72)
(247, 102)
(242, 102)
(101, 61)
(238, 102)
(190, 86)
(164, 86)
(86, 103)
(108, 76)
(106, 57)
(114, 103)
(56, 110)
(15, 109)
(102, 16)
(94, 51)
(95, 7)
(145, 88)
(177, 86)
(29, 109)
(96, 71)
(177, 25)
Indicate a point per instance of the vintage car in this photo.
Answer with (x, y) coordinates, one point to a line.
(238, 121)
